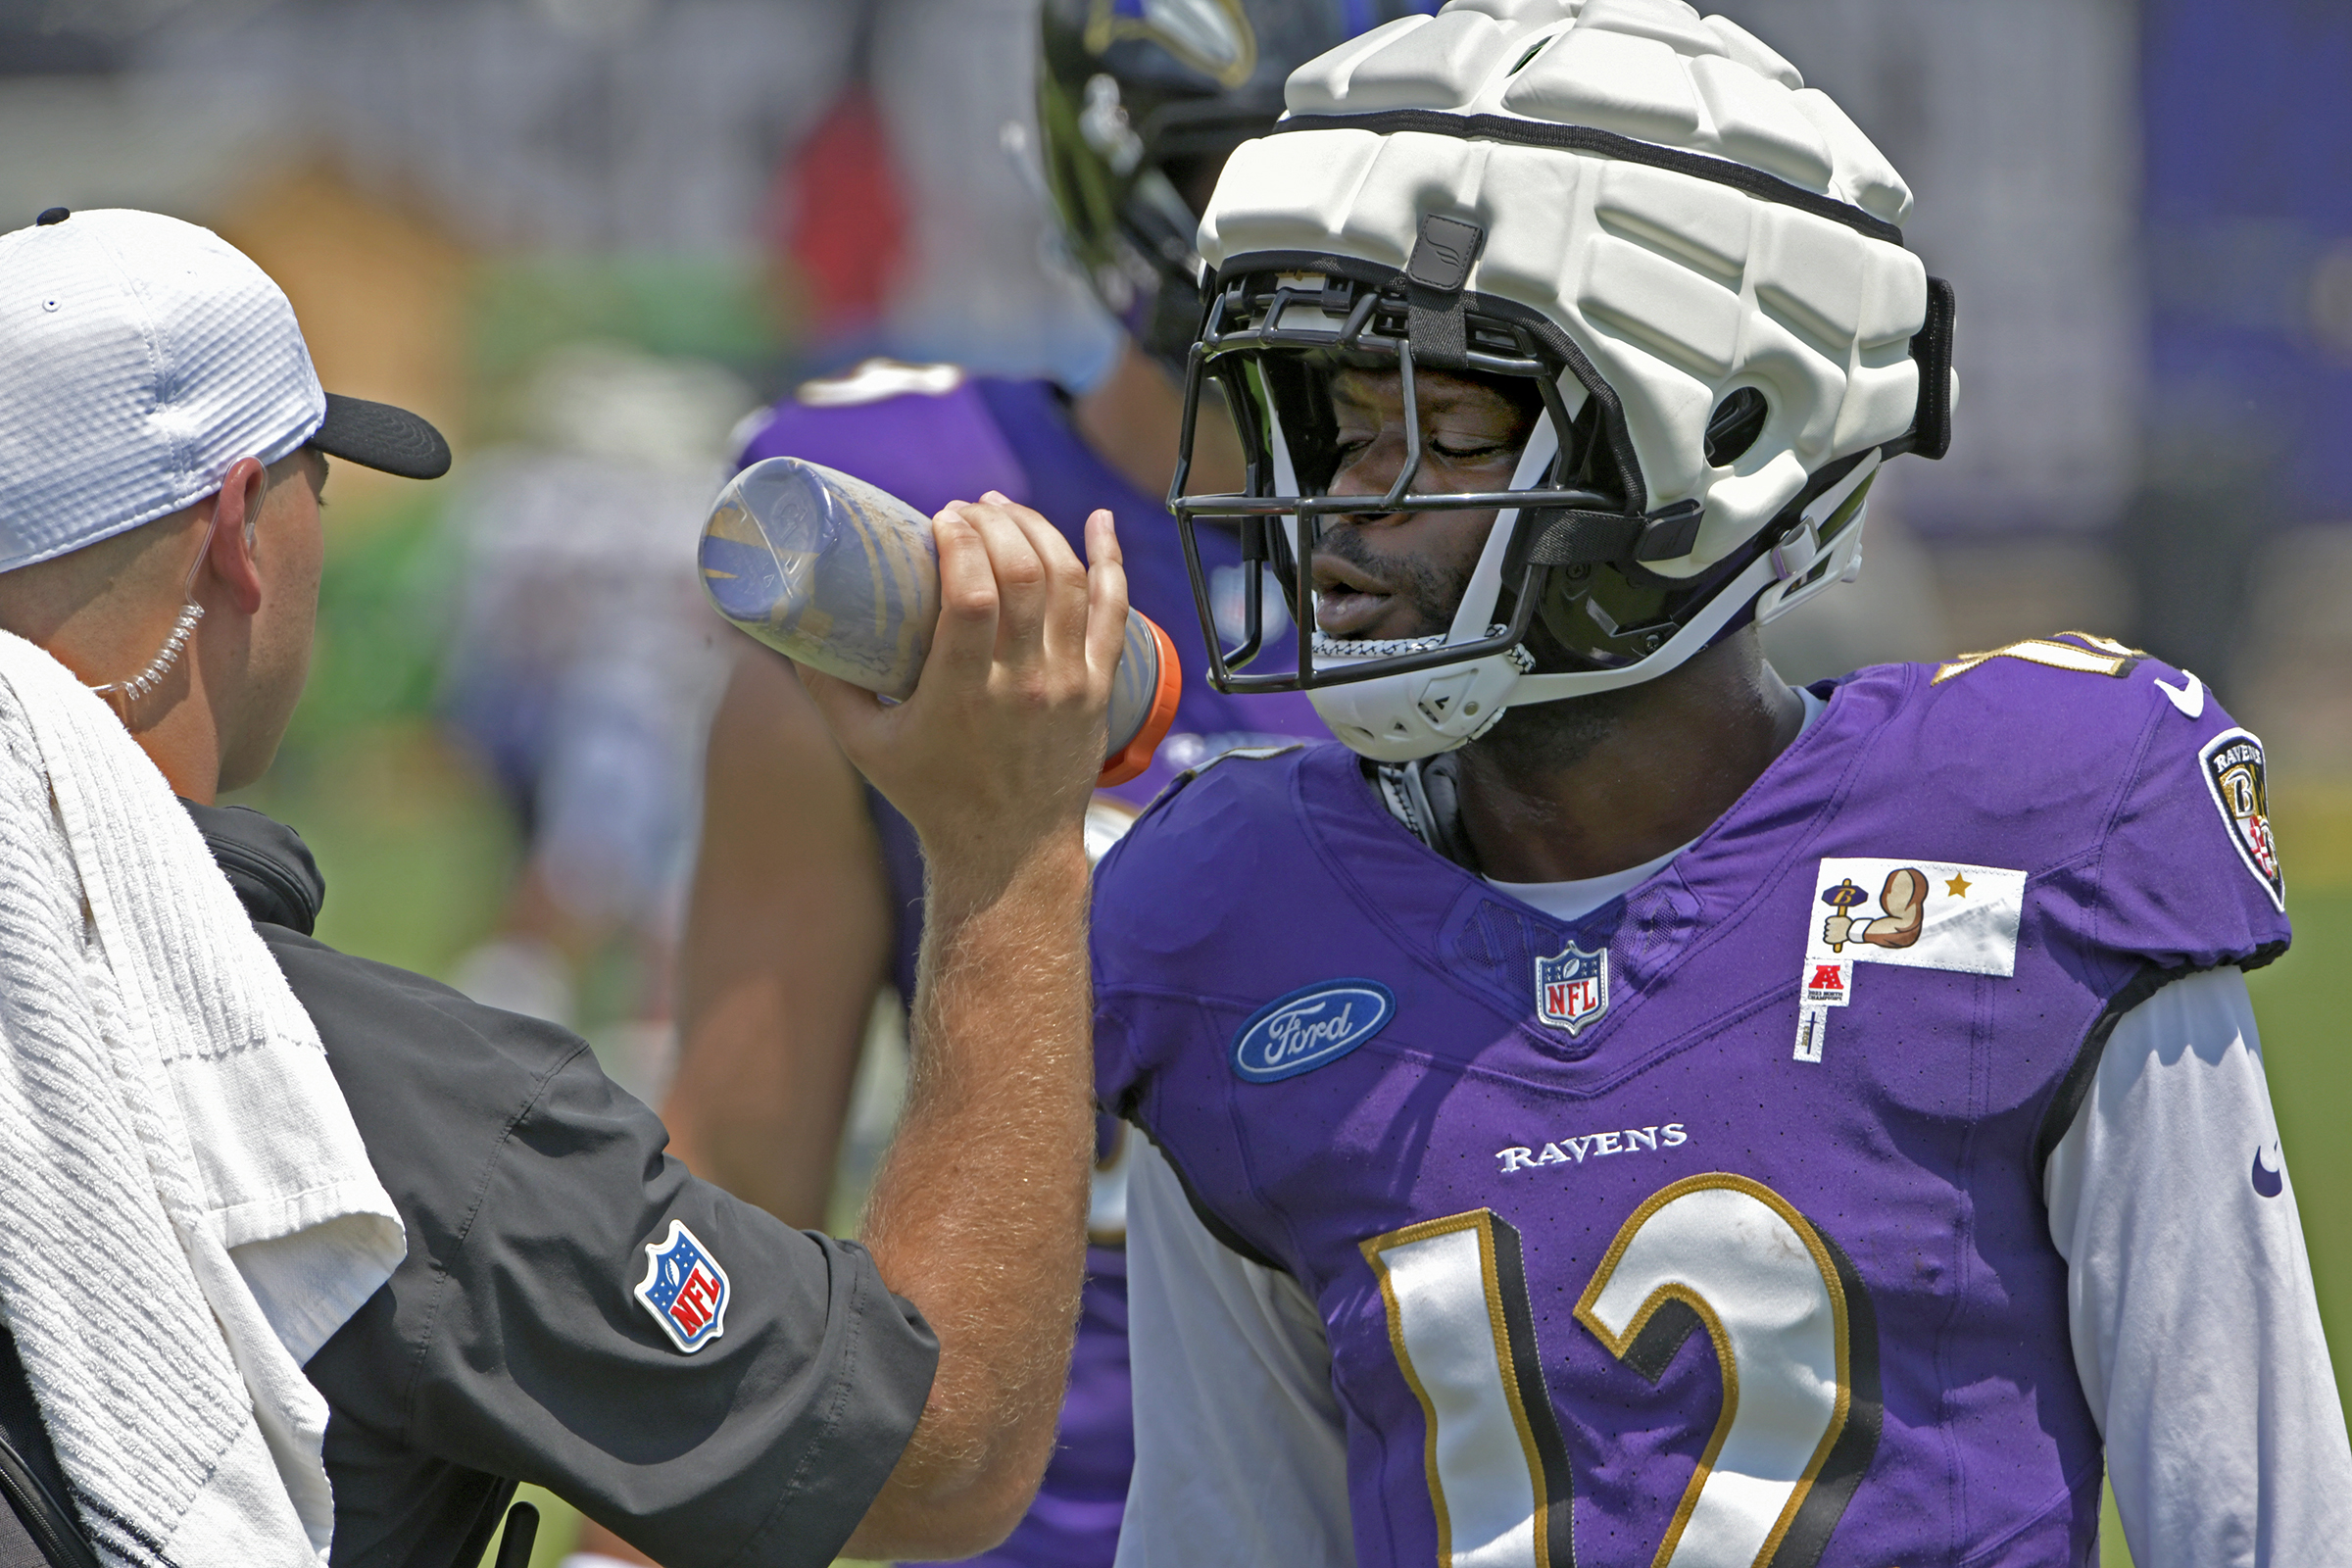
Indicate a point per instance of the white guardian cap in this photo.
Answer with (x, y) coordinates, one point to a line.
(1695, 260)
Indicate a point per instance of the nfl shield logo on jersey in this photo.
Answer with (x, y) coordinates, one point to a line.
(1572, 990)
(685, 1289)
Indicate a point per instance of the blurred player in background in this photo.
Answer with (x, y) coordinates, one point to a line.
(1618, 1107)
(807, 896)
(584, 672)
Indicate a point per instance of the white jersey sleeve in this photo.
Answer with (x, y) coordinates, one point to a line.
(1240, 1455)
(2196, 1332)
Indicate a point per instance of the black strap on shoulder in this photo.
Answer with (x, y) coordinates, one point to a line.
(474, 1550)
(16, 1547)
(38, 1529)
(522, 1533)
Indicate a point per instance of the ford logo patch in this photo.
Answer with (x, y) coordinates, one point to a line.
(1310, 1028)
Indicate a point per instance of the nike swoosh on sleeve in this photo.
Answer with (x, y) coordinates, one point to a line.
(2189, 698)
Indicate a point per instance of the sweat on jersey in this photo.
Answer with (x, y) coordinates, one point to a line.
(1711, 1225)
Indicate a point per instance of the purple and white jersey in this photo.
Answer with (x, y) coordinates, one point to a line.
(1708, 1229)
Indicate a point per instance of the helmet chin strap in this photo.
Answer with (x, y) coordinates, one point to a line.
(121, 695)
(1767, 570)
(1701, 631)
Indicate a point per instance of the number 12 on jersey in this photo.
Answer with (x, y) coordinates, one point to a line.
(1793, 1336)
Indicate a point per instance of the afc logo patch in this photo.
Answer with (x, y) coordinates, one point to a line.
(1828, 982)
(1572, 987)
(2234, 772)
(685, 1289)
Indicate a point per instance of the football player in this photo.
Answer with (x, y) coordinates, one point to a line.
(1616, 1108)
(807, 892)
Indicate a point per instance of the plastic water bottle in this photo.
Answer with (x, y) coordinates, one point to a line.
(837, 575)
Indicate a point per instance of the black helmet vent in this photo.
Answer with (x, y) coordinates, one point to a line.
(1733, 426)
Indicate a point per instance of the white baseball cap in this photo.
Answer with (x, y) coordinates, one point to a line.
(139, 358)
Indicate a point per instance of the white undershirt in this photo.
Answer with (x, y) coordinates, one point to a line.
(2196, 1333)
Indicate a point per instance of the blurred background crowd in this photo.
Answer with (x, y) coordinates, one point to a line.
(588, 237)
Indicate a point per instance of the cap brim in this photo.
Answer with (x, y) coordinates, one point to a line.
(378, 435)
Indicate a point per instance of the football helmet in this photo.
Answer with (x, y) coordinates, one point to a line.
(1139, 102)
(1646, 220)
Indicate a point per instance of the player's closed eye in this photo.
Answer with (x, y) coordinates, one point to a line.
(1459, 449)
(1470, 452)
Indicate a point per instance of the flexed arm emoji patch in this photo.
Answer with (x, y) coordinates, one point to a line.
(1904, 898)
(1917, 914)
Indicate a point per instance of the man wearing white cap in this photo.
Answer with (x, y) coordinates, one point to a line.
(307, 1259)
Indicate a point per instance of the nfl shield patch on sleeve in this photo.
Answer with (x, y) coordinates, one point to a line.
(685, 1289)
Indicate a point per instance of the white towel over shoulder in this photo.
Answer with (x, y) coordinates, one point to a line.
(190, 1213)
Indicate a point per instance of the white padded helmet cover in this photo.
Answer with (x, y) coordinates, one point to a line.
(1679, 290)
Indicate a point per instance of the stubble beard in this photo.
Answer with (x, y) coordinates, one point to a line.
(1429, 588)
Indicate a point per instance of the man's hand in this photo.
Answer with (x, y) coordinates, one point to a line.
(997, 750)
(978, 1213)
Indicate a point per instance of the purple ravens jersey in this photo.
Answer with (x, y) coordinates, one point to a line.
(1708, 1229)
(931, 435)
